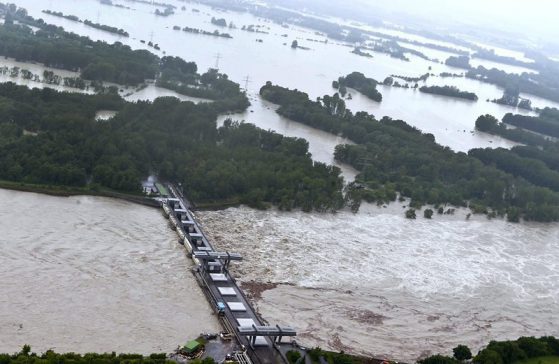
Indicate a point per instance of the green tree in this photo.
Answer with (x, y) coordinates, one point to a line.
(462, 352)
(438, 359)
(488, 356)
(293, 356)
(410, 214)
(486, 123)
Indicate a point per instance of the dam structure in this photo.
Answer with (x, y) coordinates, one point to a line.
(259, 343)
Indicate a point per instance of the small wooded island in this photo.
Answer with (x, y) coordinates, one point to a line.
(89, 23)
(360, 83)
(450, 91)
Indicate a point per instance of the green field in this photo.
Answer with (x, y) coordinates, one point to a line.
(542, 360)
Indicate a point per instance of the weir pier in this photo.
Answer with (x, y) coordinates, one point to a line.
(262, 344)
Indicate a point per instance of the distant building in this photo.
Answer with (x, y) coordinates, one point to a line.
(149, 185)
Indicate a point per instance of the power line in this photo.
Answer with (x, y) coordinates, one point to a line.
(247, 81)
(217, 58)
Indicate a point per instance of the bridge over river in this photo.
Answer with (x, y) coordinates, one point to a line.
(263, 344)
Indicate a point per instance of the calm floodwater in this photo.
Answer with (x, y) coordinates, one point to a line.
(89, 274)
(274, 60)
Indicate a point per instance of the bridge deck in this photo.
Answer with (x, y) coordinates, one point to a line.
(221, 287)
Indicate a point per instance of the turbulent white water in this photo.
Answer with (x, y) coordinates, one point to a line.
(376, 283)
(93, 274)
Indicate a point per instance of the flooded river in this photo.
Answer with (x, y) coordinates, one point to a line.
(378, 284)
(94, 274)
(373, 283)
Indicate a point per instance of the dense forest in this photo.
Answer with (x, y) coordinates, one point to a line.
(547, 122)
(450, 91)
(360, 83)
(501, 352)
(394, 157)
(489, 124)
(52, 138)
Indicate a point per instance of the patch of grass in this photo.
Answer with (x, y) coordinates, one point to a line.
(541, 360)
(162, 189)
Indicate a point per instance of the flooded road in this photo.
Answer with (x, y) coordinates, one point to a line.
(391, 286)
(89, 274)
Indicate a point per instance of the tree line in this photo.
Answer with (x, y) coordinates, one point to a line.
(491, 125)
(501, 352)
(395, 158)
(51, 357)
(106, 28)
(547, 122)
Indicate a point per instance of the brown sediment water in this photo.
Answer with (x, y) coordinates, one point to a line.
(375, 283)
(88, 274)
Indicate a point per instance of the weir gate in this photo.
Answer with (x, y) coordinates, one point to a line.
(262, 343)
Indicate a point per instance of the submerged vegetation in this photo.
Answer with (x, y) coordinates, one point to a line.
(395, 158)
(54, 47)
(116, 63)
(182, 77)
